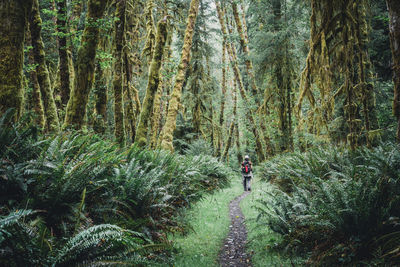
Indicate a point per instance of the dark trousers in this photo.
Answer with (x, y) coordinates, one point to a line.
(246, 183)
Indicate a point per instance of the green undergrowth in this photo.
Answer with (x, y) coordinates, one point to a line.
(334, 206)
(260, 237)
(79, 200)
(209, 221)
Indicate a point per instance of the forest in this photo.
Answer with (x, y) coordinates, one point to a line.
(124, 125)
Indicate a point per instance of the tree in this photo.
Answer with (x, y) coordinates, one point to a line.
(119, 30)
(394, 15)
(13, 18)
(153, 83)
(42, 72)
(170, 124)
(85, 66)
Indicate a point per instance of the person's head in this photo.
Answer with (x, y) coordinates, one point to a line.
(246, 158)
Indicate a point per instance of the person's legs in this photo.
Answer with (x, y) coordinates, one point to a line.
(244, 183)
(248, 183)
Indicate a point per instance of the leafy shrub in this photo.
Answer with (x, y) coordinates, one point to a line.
(340, 206)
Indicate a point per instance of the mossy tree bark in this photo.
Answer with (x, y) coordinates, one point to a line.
(36, 95)
(170, 124)
(13, 18)
(156, 118)
(394, 27)
(223, 91)
(85, 66)
(100, 94)
(244, 44)
(338, 58)
(233, 59)
(119, 30)
(153, 84)
(65, 86)
(228, 142)
(50, 109)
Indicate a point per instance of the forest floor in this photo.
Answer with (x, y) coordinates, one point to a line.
(233, 252)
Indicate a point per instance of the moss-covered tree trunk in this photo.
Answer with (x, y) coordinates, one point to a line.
(244, 44)
(119, 29)
(50, 109)
(100, 95)
(65, 86)
(394, 26)
(152, 85)
(156, 117)
(228, 142)
(13, 18)
(223, 91)
(85, 66)
(170, 124)
(233, 59)
(36, 95)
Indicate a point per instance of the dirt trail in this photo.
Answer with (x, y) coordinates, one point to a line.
(233, 252)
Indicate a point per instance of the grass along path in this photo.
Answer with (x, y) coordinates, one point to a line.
(260, 237)
(210, 221)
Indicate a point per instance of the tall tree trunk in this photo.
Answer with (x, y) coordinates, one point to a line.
(245, 48)
(85, 65)
(100, 94)
(36, 95)
(35, 23)
(152, 85)
(156, 118)
(232, 55)
(65, 86)
(13, 18)
(228, 143)
(223, 89)
(118, 72)
(170, 124)
(394, 27)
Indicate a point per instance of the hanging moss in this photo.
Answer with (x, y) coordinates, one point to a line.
(85, 66)
(50, 109)
(170, 124)
(152, 85)
(13, 18)
(339, 34)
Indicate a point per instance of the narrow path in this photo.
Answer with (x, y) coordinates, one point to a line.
(233, 252)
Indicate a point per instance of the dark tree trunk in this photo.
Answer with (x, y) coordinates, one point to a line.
(13, 18)
(63, 51)
(394, 28)
(85, 65)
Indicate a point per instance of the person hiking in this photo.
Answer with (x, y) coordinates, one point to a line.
(247, 173)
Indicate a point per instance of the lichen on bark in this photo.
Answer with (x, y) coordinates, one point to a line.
(170, 124)
(43, 76)
(85, 66)
(13, 18)
(153, 84)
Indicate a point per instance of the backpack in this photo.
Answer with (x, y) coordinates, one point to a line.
(246, 167)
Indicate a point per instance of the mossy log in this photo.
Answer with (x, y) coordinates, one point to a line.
(85, 66)
(50, 109)
(152, 84)
(13, 18)
(170, 124)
